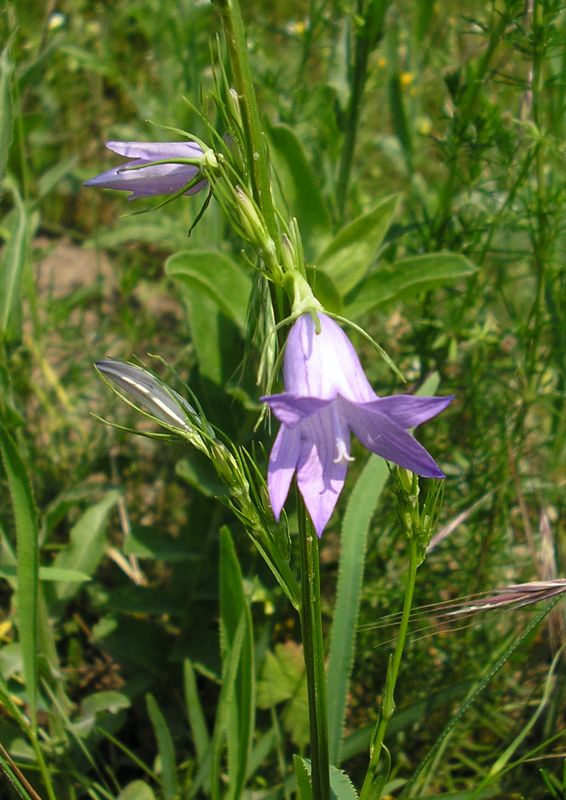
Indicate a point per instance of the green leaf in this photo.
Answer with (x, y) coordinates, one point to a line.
(283, 678)
(142, 228)
(86, 544)
(195, 714)
(147, 543)
(380, 774)
(361, 507)
(341, 787)
(234, 609)
(54, 175)
(215, 275)
(106, 701)
(350, 254)
(282, 672)
(165, 748)
(6, 117)
(399, 118)
(302, 774)
(49, 574)
(28, 561)
(406, 278)
(198, 472)
(136, 790)
(299, 188)
(215, 291)
(325, 289)
(11, 270)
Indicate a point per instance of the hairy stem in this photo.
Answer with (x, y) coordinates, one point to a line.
(311, 628)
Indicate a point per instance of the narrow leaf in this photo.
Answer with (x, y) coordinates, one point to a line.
(7, 116)
(302, 774)
(361, 507)
(165, 747)
(299, 187)
(195, 713)
(28, 561)
(11, 270)
(233, 609)
(48, 574)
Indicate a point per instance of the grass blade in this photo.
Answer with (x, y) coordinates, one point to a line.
(195, 713)
(505, 653)
(165, 747)
(6, 118)
(233, 610)
(361, 506)
(12, 268)
(28, 562)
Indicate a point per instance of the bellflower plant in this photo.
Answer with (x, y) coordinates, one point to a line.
(143, 177)
(327, 395)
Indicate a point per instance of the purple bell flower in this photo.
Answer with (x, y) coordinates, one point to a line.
(146, 181)
(327, 396)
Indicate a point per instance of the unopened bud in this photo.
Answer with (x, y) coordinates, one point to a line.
(251, 221)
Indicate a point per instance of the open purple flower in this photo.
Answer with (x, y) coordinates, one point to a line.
(146, 181)
(327, 396)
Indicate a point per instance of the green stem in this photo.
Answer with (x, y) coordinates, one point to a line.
(358, 83)
(44, 772)
(462, 117)
(368, 35)
(388, 704)
(311, 629)
(254, 139)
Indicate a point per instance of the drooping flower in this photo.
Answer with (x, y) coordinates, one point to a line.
(327, 396)
(143, 178)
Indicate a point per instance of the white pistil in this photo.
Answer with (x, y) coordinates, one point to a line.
(342, 454)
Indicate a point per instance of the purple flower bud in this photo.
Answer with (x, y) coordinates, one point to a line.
(146, 181)
(327, 396)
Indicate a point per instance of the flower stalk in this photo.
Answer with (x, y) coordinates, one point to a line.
(313, 648)
(254, 140)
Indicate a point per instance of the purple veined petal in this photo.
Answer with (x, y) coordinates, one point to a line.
(323, 463)
(324, 364)
(148, 181)
(156, 151)
(409, 411)
(282, 464)
(382, 436)
(290, 410)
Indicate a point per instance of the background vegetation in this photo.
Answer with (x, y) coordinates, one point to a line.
(461, 119)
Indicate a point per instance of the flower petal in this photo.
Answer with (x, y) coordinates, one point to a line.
(408, 411)
(147, 181)
(320, 475)
(324, 364)
(290, 409)
(282, 464)
(381, 435)
(156, 151)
